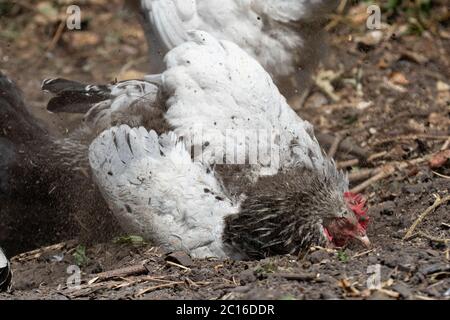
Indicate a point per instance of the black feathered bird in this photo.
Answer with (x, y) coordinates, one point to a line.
(41, 201)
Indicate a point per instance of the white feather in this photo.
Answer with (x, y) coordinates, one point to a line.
(217, 87)
(155, 189)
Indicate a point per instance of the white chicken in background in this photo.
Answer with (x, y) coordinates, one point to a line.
(285, 36)
(159, 189)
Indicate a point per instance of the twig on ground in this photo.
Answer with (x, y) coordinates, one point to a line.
(135, 280)
(362, 253)
(421, 297)
(58, 33)
(354, 162)
(34, 254)
(120, 273)
(446, 145)
(340, 9)
(390, 293)
(422, 216)
(178, 265)
(160, 286)
(411, 137)
(344, 145)
(387, 170)
(156, 278)
(427, 236)
(319, 248)
(335, 145)
(440, 175)
(362, 174)
(57, 36)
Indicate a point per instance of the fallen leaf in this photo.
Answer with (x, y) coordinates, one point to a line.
(439, 159)
(442, 86)
(398, 78)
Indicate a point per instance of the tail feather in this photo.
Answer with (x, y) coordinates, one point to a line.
(72, 96)
(71, 102)
(156, 190)
(56, 85)
(131, 102)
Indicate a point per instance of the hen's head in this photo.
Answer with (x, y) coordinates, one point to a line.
(350, 224)
(295, 209)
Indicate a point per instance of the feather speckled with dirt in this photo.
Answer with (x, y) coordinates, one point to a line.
(290, 198)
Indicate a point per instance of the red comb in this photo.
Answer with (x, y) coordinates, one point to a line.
(357, 203)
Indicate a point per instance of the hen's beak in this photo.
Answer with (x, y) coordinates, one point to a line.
(364, 240)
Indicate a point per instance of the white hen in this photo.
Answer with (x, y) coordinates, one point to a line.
(156, 188)
(285, 36)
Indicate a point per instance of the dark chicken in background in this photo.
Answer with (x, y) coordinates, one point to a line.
(41, 200)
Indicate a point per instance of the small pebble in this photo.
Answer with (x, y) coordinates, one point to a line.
(318, 256)
(180, 257)
(247, 276)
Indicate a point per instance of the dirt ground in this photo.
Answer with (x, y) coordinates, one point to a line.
(385, 91)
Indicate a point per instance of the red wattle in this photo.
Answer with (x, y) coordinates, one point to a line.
(357, 203)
